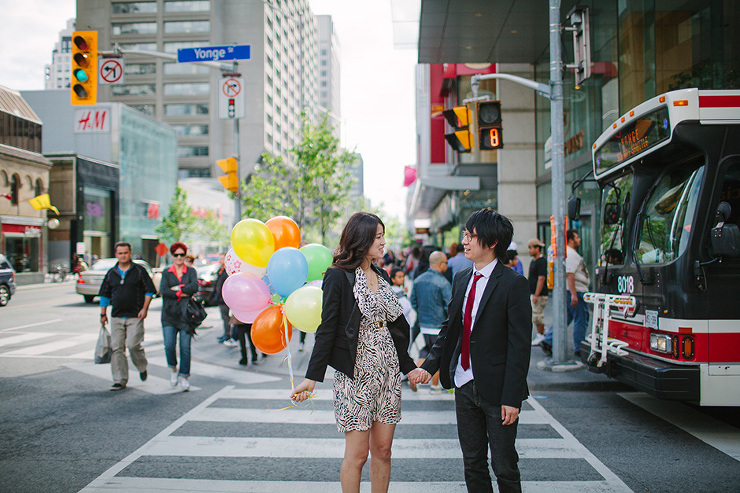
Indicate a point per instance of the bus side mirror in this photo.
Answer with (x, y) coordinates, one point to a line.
(725, 239)
(612, 211)
(574, 208)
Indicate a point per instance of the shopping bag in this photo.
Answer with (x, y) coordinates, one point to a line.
(195, 314)
(103, 348)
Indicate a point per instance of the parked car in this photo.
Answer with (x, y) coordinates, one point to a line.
(207, 275)
(88, 284)
(7, 280)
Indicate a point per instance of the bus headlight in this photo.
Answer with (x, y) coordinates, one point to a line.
(661, 343)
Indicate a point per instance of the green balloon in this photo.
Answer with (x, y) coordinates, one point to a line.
(319, 259)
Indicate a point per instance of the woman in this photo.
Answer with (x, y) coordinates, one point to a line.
(364, 337)
(178, 283)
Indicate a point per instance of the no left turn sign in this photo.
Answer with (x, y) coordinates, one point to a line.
(111, 71)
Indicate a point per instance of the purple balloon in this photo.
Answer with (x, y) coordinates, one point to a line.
(246, 292)
(245, 317)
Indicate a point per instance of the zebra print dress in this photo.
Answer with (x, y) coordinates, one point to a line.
(375, 392)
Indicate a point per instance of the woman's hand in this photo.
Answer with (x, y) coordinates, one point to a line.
(303, 391)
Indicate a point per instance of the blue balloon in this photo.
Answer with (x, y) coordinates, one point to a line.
(287, 270)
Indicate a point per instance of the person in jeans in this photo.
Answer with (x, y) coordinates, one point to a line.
(429, 298)
(179, 282)
(128, 288)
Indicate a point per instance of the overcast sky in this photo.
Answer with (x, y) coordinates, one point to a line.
(377, 80)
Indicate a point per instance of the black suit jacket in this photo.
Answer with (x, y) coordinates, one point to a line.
(337, 335)
(500, 339)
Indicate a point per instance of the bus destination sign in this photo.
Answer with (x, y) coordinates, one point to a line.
(632, 139)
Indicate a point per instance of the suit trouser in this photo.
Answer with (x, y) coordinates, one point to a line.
(478, 428)
(126, 332)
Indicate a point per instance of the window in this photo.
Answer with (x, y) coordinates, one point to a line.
(187, 89)
(147, 109)
(185, 109)
(615, 200)
(185, 6)
(134, 7)
(173, 46)
(38, 188)
(185, 69)
(190, 130)
(187, 27)
(15, 183)
(665, 222)
(191, 151)
(139, 46)
(134, 90)
(135, 28)
(196, 172)
(140, 68)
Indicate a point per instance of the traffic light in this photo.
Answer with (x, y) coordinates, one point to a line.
(461, 139)
(84, 83)
(231, 180)
(489, 125)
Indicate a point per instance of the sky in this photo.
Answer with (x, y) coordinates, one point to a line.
(377, 81)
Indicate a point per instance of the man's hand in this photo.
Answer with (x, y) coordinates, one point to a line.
(573, 300)
(103, 319)
(142, 314)
(509, 415)
(419, 375)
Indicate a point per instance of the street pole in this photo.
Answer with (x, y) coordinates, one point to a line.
(559, 326)
(237, 194)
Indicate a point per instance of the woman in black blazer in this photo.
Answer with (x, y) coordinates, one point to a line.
(363, 335)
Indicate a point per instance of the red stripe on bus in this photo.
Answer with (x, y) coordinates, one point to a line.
(719, 101)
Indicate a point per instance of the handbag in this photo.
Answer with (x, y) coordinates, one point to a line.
(103, 350)
(195, 314)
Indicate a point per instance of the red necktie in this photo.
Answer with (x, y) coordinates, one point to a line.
(467, 322)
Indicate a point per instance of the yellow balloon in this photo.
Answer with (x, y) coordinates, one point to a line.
(303, 308)
(253, 242)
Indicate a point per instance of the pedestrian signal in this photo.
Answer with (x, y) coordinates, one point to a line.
(231, 168)
(459, 118)
(489, 125)
(84, 83)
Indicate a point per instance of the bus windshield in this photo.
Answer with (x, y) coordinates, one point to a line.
(615, 199)
(665, 224)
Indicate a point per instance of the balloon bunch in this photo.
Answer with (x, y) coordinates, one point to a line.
(272, 284)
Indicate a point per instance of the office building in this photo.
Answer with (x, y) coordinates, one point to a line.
(57, 73)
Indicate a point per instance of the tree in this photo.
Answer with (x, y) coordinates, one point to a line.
(179, 221)
(312, 190)
(211, 227)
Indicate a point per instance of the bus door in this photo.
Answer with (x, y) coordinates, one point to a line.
(723, 285)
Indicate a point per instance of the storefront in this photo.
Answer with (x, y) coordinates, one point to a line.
(22, 241)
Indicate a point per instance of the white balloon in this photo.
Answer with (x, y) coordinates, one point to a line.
(234, 264)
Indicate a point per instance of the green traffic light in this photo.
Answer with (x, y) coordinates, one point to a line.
(80, 75)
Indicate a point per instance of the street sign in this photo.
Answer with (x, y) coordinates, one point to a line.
(231, 98)
(111, 71)
(214, 53)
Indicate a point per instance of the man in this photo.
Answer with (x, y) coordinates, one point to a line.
(576, 276)
(538, 287)
(128, 288)
(483, 350)
(223, 308)
(430, 296)
(458, 262)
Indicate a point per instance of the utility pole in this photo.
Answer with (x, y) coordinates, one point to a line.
(238, 193)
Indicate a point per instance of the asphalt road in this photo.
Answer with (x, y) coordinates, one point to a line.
(64, 431)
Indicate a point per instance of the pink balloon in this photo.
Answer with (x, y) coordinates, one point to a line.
(245, 317)
(234, 264)
(246, 292)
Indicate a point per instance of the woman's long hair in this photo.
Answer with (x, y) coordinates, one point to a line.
(357, 238)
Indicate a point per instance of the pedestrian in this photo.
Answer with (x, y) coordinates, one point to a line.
(363, 336)
(538, 287)
(483, 351)
(228, 337)
(398, 284)
(430, 296)
(128, 289)
(514, 260)
(244, 334)
(577, 280)
(459, 261)
(190, 260)
(179, 282)
(412, 260)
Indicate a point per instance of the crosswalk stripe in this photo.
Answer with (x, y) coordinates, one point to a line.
(20, 338)
(50, 347)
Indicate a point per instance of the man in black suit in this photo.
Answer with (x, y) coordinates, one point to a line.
(483, 351)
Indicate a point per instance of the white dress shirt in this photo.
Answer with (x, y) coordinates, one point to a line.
(463, 376)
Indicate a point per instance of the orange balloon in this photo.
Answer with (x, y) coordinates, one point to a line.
(285, 231)
(268, 332)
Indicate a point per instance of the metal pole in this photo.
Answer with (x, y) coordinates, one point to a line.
(561, 352)
(238, 194)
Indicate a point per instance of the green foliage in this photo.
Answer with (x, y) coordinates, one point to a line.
(179, 221)
(313, 190)
(212, 228)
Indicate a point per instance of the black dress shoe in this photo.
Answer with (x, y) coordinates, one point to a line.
(546, 348)
(143, 375)
(243, 362)
(118, 386)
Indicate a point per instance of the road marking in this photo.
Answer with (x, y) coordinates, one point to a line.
(32, 325)
(709, 430)
(50, 347)
(9, 341)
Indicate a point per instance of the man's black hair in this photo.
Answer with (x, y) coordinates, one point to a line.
(492, 229)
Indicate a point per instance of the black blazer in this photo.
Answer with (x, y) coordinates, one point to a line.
(499, 342)
(337, 335)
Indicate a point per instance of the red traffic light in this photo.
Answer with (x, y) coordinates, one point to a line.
(81, 43)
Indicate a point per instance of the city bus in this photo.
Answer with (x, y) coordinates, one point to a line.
(666, 289)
